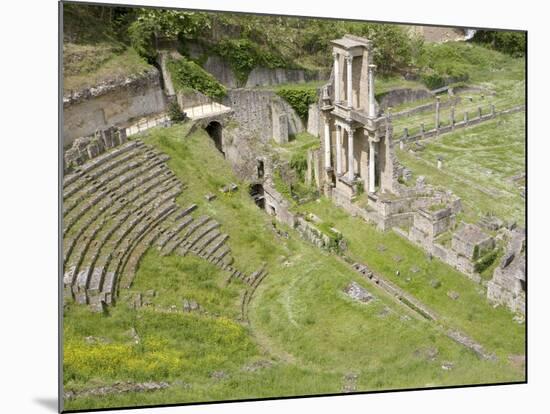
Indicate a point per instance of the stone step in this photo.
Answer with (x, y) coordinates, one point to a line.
(143, 231)
(172, 232)
(137, 226)
(89, 183)
(114, 166)
(135, 216)
(153, 181)
(214, 247)
(76, 177)
(131, 266)
(200, 234)
(131, 204)
(206, 240)
(71, 214)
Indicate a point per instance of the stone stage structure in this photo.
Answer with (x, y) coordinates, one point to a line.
(356, 142)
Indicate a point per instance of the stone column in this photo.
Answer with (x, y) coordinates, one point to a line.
(466, 117)
(349, 60)
(437, 105)
(479, 111)
(351, 158)
(338, 150)
(327, 142)
(405, 134)
(371, 166)
(422, 129)
(492, 110)
(336, 77)
(372, 107)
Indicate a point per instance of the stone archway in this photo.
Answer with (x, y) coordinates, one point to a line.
(215, 131)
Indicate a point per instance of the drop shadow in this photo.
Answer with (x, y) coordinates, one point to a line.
(49, 403)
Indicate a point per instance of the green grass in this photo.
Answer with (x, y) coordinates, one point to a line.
(472, 313)
(89, 65)
(478, 164)
(495, 72)
(298, 144)
(300, 320)
(383, 84)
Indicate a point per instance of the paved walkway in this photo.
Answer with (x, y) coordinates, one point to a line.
(145, 123)
(206, 110)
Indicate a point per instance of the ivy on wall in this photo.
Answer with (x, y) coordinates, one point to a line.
(186, 75)
(299, 98)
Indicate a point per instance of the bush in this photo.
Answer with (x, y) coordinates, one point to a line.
(486, 261)
(188, 75)
(299, 98)
(298, 163)
(175, 113)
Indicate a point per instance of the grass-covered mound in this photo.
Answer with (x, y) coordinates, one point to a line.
(304, 335)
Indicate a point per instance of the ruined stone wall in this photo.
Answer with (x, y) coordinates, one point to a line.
(253, 111)
(111, 104)
(314, 119)
(401, 96)
(221, 70)
(260, 76)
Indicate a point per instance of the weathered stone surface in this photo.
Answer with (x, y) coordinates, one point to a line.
(470, 241)
(357, 292)
(453, 295)
(116, 388)
(112, 102)
(257, 366)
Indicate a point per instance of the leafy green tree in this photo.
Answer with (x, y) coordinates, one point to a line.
(511, 43)
(171, 24)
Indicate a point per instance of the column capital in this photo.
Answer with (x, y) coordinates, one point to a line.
(335, 54)
(349, 58)
(372, 67)
(350, 129)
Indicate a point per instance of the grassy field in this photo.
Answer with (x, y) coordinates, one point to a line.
(303, 336)
(478, 166)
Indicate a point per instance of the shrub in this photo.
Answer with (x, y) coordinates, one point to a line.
(175, 113)
(188, 75)
(486, 261)
(298, 163)
(299, 98)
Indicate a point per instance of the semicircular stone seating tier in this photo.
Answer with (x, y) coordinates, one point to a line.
(116, 207)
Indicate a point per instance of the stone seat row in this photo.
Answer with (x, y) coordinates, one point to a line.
(112, 179)
(105, 196)
(139, 204)
(75, 179)
(98, 280)
(111, 204)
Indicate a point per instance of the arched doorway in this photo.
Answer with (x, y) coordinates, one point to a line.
(214, 129)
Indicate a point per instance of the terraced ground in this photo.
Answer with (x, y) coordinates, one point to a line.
(294, 333)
